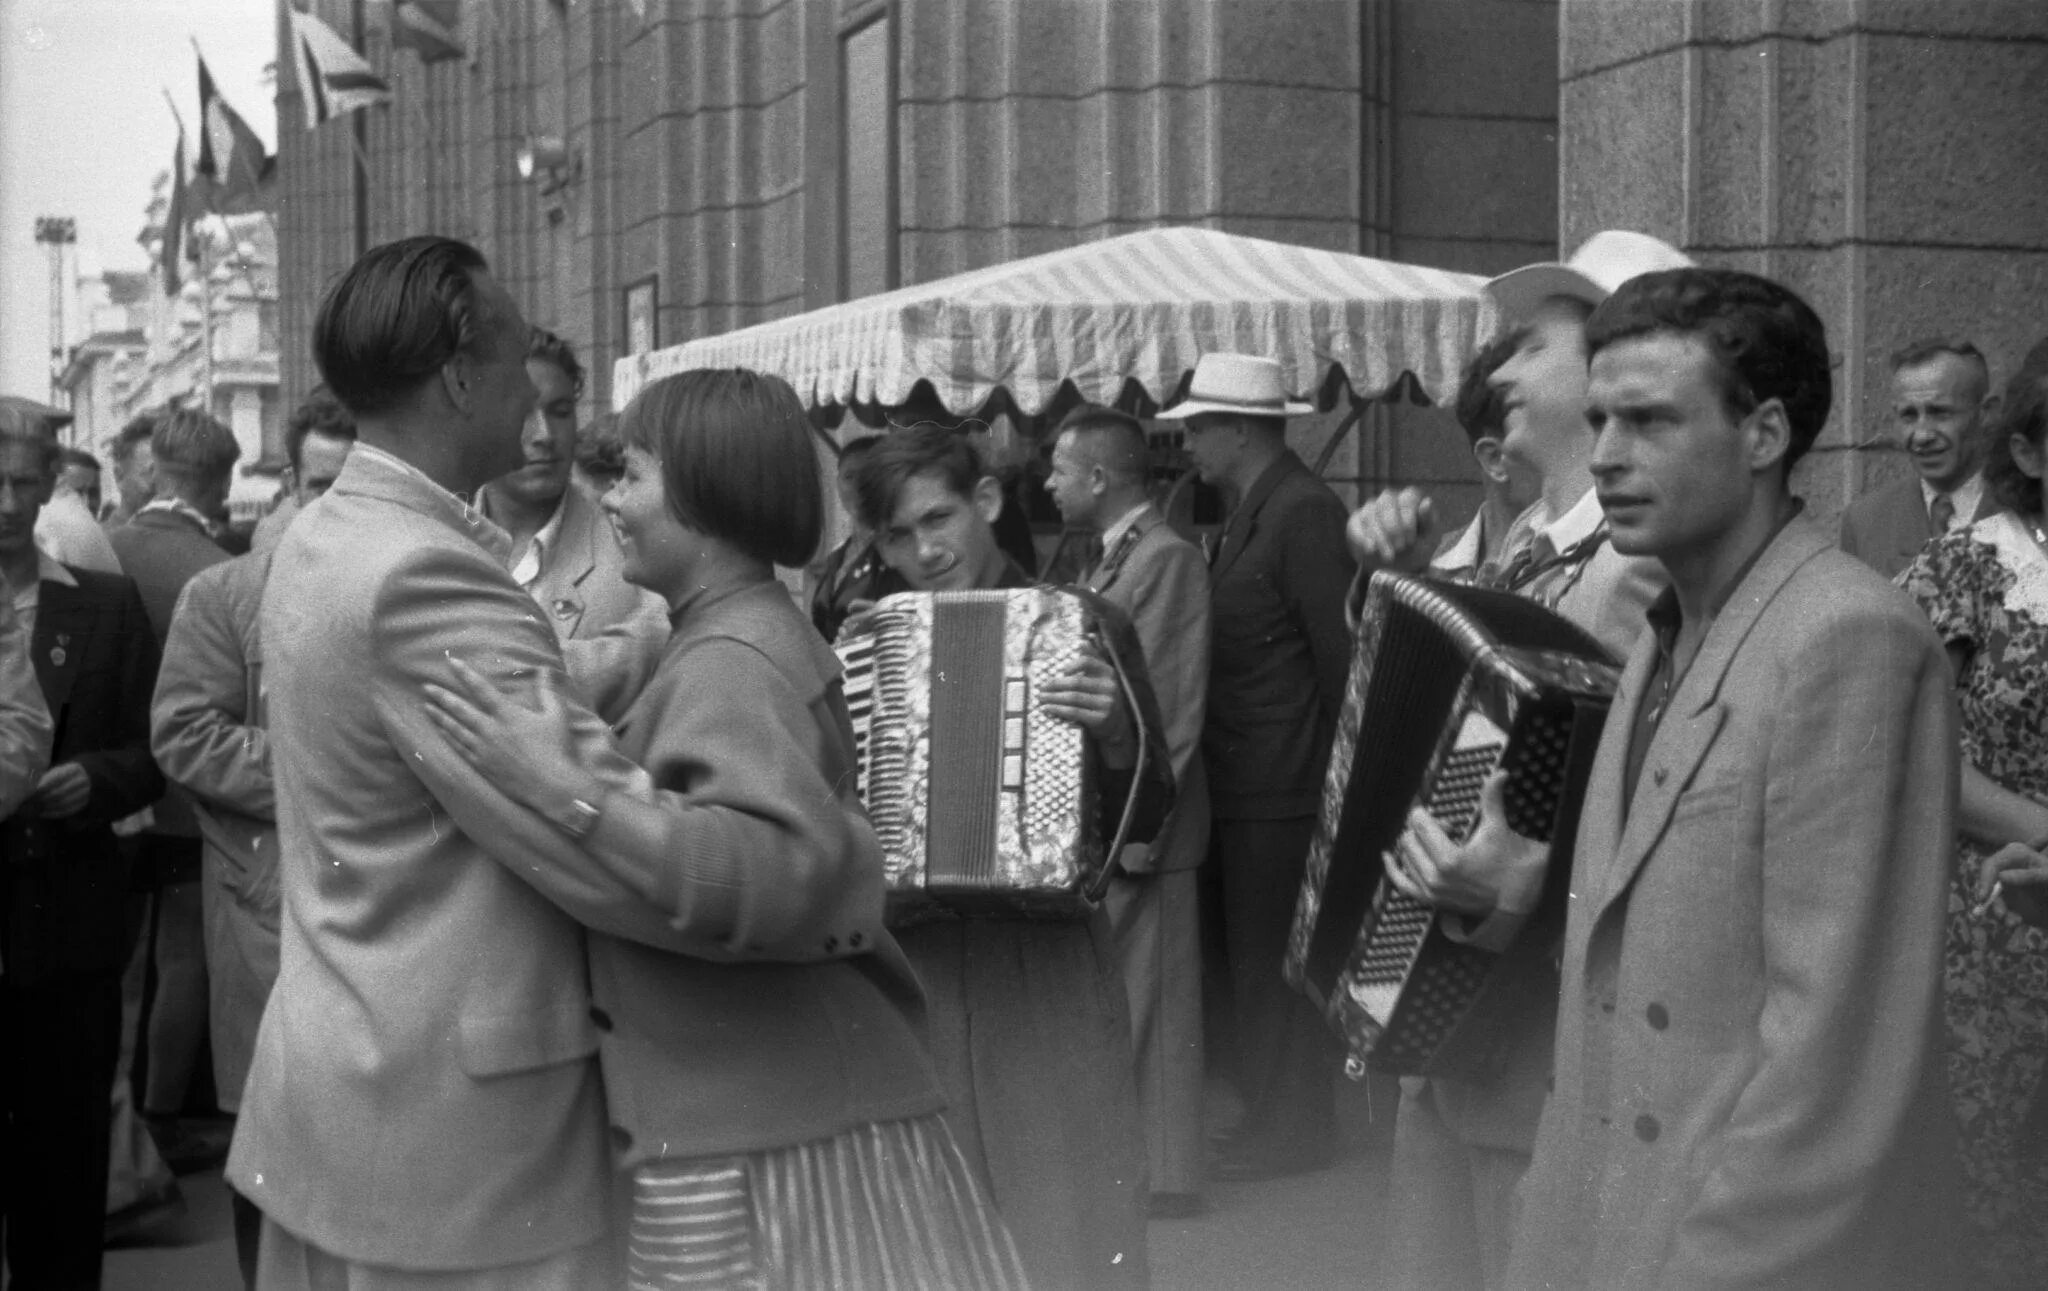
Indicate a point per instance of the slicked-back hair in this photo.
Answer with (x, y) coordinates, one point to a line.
(736, 459)
(925, 448)
(1928, 348)
(395, 318)
(550, 348)
(137, 431)
(190, 446)
(1112, 440)
(1766, 343)
(853, 450)
(77, 457)
(2025, 413)
(1481, 408)
(320, 414)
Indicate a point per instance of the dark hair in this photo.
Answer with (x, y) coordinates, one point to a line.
(137, 431)
(736, 459)
(1481, 408)
(853, 450)
(191, 447)
(320, 414)
(550, 348)
(1766, 342)
(1927, 348)
(1116, 439)
(2025, 414)
(925, 448)
(598, 450)
(77, 457)
(27, 432)
(395, 318)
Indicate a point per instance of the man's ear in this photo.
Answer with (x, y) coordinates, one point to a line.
(2026, 455)
(288, 480)
(457, 379)
(1770, 435)
(1486, 450)
(988, 498)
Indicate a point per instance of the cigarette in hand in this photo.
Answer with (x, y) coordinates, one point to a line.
(1978, 911)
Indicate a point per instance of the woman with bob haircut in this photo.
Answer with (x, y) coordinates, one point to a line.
(771, 1098)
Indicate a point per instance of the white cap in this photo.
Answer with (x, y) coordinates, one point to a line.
(1596, 269)
(1239, 383)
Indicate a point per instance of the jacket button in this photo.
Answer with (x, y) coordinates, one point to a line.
(831, 944)
(601, 1019)
(1647, 1128)
(1660, 775)
(1657, 1016)
(1607, 1006)
(856, 939)
(620, 1139)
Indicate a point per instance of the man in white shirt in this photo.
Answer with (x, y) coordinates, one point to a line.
(1510, 485)
(1942, 403)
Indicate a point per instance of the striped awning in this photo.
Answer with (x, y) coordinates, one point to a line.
(1141, 307)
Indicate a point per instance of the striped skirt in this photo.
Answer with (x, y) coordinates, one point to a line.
(887, 1205)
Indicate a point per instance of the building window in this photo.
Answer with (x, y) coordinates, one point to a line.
(867, 154)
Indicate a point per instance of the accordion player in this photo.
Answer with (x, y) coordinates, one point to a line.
(985, 804)
(1448, 683)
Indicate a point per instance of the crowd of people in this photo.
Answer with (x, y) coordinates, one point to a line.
(487, 827)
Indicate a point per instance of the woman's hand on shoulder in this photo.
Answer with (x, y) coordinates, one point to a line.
(515, 731)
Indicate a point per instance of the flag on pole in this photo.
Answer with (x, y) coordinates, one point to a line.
(332, 75)
(429, 28)
(174, 218)
(232, 173)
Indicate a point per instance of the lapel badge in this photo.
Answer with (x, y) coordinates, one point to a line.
(564, 608)
(57, 653)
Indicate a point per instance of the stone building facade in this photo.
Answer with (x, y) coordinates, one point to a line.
(732, 161)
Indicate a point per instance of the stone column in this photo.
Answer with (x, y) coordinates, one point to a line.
(1881, 157)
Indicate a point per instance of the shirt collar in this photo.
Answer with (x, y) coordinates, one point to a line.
(51, 570)
(1575, 525)
(1123, 522)
(480, 526)
(1464, 553)
(535, 558)
(179, 507)
(1966, 496)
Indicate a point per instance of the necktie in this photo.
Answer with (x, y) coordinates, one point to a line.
(1941, 513)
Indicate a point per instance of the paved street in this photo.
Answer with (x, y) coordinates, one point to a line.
(1300, 1234)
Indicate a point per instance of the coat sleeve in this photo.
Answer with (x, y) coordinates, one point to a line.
(1169, 609)
(123, 775)
(1859, 792)
(199, 728)
(736, 830)
(442, 601)
(24, 720)
(1317, 567)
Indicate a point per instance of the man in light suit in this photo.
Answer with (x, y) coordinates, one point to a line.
(1942, 405)
(1159, 579)
(424, 1106)
(1279, 658)
(1748, 1085)
(207, 732)
(563, 550)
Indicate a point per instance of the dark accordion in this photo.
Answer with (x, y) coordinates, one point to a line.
(982, 803)
(1448, 682)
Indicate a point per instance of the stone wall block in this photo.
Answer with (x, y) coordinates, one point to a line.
(1288, 42)
(1956, 129)
(1595, 34)
(1996, 19)
(1620, 138)
(1728, 207)
(1494, 256)
(1816, 141)
(1287, 151)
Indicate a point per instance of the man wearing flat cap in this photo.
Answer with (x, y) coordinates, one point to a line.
(1278, 662)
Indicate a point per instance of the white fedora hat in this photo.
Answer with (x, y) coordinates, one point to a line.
(1603, 263)
(1239, 383)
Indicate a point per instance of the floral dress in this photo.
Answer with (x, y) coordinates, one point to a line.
(1985, 589)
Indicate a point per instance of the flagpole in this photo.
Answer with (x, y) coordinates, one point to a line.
(206, 317)
(360, 137)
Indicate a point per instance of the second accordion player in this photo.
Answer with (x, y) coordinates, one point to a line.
(983, 804)
(1448, 682)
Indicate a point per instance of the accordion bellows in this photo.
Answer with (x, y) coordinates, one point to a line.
(1448, 682)
(982, 803)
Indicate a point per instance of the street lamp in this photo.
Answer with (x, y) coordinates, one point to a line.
(56, 232)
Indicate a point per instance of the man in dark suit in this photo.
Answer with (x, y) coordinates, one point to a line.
(63, 885)
(1942, 404)
(170, 539)
(1157, 578)
(1277, 670)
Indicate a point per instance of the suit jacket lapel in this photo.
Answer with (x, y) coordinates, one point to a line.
(63, 623)
(576, 558)
(1114, 560)
(1695, 711)
(1237, 532)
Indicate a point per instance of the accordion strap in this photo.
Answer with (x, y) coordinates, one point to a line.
(1112, 862)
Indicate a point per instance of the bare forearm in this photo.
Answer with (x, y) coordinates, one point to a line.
(1992, 815)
